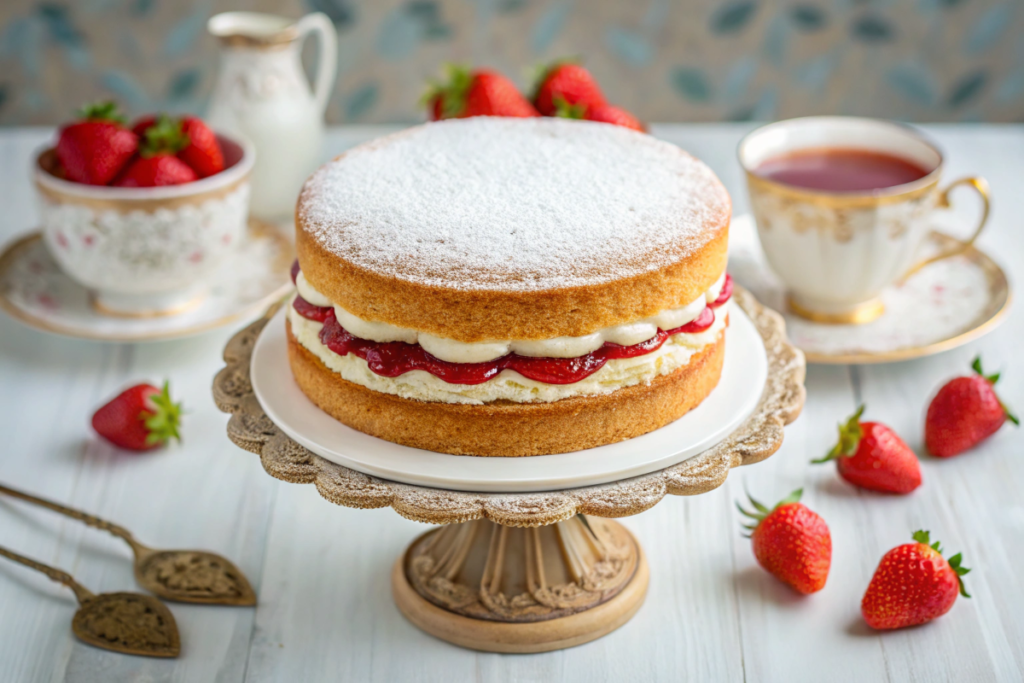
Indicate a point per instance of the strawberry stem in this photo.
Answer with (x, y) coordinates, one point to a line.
(453, 93)
(850, 434)
(165, 136)
(163, 420)
(101, 111)
(924, 538)
(761, 511)
(976, 366)
(568, 111)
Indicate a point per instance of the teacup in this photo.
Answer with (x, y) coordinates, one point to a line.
(835, 250)
(145, 251)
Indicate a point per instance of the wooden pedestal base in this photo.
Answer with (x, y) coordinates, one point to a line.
(505, 589)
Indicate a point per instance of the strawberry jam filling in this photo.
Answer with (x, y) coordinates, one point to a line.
(392, 359)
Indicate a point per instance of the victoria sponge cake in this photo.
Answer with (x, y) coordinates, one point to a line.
(510, 287)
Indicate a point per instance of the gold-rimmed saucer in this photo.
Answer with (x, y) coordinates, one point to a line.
(36, 292)
(941, 307)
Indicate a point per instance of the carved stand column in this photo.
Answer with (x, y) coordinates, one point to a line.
(506, 589)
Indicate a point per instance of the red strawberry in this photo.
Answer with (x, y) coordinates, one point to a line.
(569, 83)
(202, 152)
(200, 149)
(965, 412)
(872, 456)
(94, 149)
(604, 113)
(139, 418)
(791, 542)
(481, 92)
(912, 585)
(157, 164)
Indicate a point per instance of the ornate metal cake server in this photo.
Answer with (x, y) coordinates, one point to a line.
(181, 575)
(131, 623)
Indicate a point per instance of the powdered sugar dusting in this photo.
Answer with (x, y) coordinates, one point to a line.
(513, 204)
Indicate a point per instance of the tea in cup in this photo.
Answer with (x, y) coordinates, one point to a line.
(841, 206)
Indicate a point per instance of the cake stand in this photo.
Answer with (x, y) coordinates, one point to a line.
(520, 572)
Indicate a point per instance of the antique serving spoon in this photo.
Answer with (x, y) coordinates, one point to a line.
(182, 575)
(131, 623)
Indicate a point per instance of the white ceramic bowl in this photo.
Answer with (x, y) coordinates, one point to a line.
(145, 250)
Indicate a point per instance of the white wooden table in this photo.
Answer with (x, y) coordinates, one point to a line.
(321, 571)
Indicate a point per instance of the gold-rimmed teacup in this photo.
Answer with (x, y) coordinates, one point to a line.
(837, 251)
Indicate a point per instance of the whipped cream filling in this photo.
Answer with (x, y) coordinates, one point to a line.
(509, 385)
(455, 351)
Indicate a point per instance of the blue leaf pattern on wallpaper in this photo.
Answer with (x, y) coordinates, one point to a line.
(339, 11)
(766, 105)
(733, 17)
(737, 80)
(127, 91)
(815, 74)
(630, 47)
(967, 88)
(871, 28)
(776, 40)
(183, 85)
(914, 81)
(988, 29)
(24, 38)
(1012, 87)
(692, 84)
(808, 17)
(399, 35)
(183, 35)
(548, 26)
(360, 101)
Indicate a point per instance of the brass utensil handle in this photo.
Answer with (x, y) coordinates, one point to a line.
(980, 185)
(85, 517)
(58, 575)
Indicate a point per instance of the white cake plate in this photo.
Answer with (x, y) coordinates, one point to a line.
(733, 400)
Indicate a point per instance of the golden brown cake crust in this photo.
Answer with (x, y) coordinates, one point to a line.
(504, 428)
(684, 247)
(472, 316)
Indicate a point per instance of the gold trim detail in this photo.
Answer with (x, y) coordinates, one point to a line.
(916, 190)
(257, 230)
(149, 313)
(862, 313)
(46, 163)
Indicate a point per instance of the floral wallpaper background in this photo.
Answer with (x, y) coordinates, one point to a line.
(666, 60)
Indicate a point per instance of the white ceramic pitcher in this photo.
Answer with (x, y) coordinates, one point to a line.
(262, 93)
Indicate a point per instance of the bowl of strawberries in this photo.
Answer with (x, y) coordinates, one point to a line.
(142, 214)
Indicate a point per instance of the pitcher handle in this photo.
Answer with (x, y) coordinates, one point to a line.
(980, 186)
(327, 64)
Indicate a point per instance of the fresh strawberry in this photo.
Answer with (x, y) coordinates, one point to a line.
(604, 113)
(481, 92)
(157, 164)
(912, 585)
(199, 146)
(872, 456)
(94, 149)
(202, 152)
(965, 412)
(791, 542)
(566, 82)
(140, 418)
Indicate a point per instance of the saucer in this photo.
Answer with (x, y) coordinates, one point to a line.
(34, 290)
(945, 305)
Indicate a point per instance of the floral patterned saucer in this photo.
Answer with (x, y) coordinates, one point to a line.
(943, 306)
(34, 290)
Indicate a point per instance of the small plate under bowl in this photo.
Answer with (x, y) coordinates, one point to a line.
(34, 290)
(744, 373)
(943, 306)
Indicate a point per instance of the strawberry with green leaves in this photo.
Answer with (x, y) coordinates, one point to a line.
(604, 113)
(477, 92)
(95, 148)
(870, 455)
(565, 83)
(965, 412)
(140, 418)
(157, 163)
(791, 542)
(913, 584)
(199, 149)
